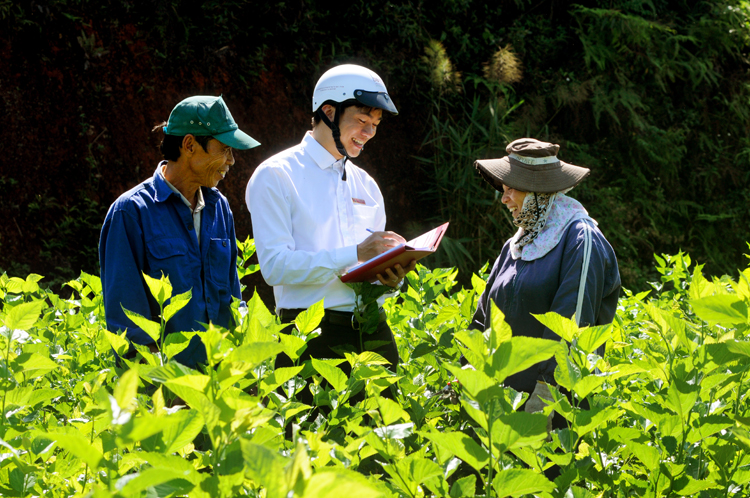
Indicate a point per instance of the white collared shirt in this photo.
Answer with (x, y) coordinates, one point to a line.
(199, 203)
(307, 223)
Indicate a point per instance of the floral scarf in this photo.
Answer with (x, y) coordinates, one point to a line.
(542, 223)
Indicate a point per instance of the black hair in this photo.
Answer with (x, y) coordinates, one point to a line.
(170, 144)
(344, 106)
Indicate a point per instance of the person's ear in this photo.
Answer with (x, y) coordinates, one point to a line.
(189, 144)
(329, 111)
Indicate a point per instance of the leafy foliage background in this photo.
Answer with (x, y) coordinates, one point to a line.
(651, 95)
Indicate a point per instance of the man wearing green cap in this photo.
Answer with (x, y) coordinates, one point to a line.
(178, 224)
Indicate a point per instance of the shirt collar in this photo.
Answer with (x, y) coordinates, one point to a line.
(319, 154)
(164, 189)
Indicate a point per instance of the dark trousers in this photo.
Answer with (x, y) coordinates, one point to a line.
(337, 334)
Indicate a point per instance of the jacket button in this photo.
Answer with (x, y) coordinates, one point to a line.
(209, 299)
(191, 227)
(224, 243)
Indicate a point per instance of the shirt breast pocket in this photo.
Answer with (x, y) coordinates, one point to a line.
(364, 218)
(219, 261)
(166, 255)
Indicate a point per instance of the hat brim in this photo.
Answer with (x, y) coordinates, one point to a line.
(237, 139)
(378, 100)
(543, 179)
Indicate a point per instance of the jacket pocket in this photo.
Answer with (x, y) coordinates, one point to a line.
(219, 261)
(167, 255)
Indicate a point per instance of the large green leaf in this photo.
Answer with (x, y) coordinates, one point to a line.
(724, 309)
(477, 385)
(681, 398)
(590, 338)
(460, 445)
(266, 468)
(151, 328)
(308, 320)
(254, 353)
(277, 378)
(292, 345)
(176, 342)
(160, 288)
(518, 429)
(521, 353)
(171, 481)
(24, 316)
(564, 327)
(390, 411)
(126, 388)
(519, 482)
(334, 375)
(33, 365)
(118, 342)
(588, 420)
(140, 428)
(464, 487)
(500, 330)
(182, 429)
(79, 447)
(176, 304)
(331, 482)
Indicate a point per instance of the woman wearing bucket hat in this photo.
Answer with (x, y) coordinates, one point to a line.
(558, 260)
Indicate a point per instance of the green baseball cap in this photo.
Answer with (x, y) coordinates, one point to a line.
(205, 115)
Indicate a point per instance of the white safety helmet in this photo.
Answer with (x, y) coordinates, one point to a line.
(348, 82)
(344, 83)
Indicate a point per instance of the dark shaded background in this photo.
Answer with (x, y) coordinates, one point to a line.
(82, 83)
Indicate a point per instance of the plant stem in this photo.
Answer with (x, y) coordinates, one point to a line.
(488, 487)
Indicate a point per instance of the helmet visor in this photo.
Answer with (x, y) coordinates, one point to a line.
(379, 100)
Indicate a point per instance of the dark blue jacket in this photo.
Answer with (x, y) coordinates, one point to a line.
(149, 229)
(550, 283)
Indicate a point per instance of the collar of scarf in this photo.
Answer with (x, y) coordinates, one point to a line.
(556, 212)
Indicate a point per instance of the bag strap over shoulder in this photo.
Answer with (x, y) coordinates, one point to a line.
(585, 269)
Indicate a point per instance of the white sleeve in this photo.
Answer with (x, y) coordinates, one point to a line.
(268, 199)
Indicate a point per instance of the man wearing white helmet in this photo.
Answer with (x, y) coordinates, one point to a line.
(315, 214)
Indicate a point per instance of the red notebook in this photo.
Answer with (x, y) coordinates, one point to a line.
(402, 254)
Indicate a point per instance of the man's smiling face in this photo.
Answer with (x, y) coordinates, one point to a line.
(358, 125)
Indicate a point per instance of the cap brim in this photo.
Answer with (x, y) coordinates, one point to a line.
(237, 139)
(379, 100)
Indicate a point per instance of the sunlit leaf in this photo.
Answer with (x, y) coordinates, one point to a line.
(308, 320)
(519, 482)
(176, 304)
(725, 309)
(566, 328)
(24, 316)
(460, 445)
(150, 327)
(334, 375)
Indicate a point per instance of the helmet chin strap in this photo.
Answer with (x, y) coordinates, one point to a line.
(334, 126)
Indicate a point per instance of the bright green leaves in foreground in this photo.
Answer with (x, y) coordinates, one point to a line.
(654, 404)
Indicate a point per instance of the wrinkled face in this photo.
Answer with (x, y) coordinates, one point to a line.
(513, 200)
(357, 127)
(210, 166)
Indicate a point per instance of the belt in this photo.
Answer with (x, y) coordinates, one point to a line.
(332, 317)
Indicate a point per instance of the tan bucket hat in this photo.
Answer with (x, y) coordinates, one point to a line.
(531, 166)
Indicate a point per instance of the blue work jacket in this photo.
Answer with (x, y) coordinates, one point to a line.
(149, 229)
(550, 283)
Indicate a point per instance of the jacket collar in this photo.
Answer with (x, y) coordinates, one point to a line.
(162, 190)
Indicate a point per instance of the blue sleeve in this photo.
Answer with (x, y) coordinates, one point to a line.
(121, 257)
(234, 279)
(601, 291)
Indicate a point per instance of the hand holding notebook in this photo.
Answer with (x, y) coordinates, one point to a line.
(402, 254)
